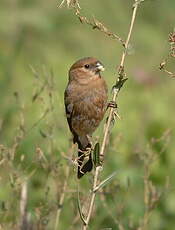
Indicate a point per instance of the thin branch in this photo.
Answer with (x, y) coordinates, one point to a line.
(95, 24)
(97, 170)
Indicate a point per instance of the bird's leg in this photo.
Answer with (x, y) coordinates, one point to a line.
(85, 153)
(80, 159)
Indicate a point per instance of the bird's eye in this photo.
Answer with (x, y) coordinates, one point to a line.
(86, 66)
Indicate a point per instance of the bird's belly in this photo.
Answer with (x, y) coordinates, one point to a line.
(84, 125)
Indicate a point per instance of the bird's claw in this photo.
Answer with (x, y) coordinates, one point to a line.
(85, 153)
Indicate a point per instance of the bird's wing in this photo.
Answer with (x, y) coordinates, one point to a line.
(69, 112)
(69, 107)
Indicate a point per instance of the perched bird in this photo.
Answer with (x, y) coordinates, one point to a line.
(85, 103)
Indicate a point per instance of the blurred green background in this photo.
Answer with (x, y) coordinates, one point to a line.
(38, 44)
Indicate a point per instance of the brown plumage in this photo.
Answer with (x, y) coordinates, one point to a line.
(85, 103)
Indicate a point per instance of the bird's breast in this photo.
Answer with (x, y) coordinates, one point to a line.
(89, 108)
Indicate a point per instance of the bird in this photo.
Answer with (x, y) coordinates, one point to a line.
(85, 100)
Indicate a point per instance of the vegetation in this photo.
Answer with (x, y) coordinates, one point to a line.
(38, 184)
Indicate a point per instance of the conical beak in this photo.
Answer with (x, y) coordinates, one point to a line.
(100, 67)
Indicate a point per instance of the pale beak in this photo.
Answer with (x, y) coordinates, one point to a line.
(100, 67)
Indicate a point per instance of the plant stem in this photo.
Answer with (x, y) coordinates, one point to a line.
(23, 206)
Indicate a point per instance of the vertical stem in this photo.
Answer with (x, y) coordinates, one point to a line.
(23, 206)
(97, 170)
(116, 91)
(135, 7)
(107, 129)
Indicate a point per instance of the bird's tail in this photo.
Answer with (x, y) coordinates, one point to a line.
(85, 163)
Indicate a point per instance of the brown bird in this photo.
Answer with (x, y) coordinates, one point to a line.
(85, 103)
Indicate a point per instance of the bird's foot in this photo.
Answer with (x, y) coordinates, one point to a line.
(84, 162)
(85, 153)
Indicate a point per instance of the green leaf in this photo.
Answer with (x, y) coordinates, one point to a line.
(96, 155)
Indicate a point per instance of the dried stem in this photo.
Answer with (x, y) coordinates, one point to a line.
(23, 207)
(121, 79)
(95, 24)
(97, 169)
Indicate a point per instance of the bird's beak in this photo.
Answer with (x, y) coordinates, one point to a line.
(100, 67)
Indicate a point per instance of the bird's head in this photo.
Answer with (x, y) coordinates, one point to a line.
(86, 69)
